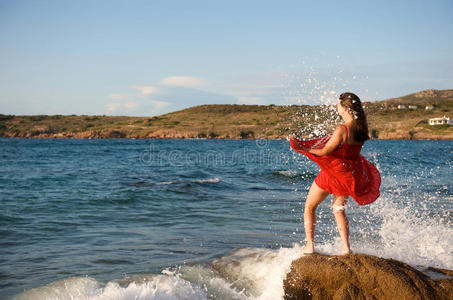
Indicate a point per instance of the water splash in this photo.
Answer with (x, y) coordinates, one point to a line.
(245, 274)
(319, 81)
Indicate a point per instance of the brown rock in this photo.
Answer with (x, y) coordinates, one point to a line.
(360, 276)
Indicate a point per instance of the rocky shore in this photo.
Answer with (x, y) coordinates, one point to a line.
(361, 276)
(114, 134)
(111, 134)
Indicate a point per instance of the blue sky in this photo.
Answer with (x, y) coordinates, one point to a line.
(151, 57)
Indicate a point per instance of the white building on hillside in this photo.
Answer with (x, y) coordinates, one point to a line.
(440, 121)
(402, 106)
(429, 107)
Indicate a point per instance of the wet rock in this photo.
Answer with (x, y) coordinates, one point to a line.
(361, 276)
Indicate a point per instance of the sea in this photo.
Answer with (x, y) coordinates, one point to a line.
(200, 219)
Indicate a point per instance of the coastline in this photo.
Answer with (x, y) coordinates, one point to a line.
(116, 135)
(386, 121)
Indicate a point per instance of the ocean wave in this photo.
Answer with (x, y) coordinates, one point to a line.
(213, 180)
(140, 183)
(294, 174)
(208, 180)
(86, 288)
(288, 173)
(244, 274)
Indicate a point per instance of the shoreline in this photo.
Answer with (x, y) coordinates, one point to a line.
(386, 121)
(58, 137)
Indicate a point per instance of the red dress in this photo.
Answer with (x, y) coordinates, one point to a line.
(344, 171)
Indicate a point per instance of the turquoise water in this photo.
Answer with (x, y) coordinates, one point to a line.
(199, 219)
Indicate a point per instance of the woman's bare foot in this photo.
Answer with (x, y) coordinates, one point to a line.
(308, 249)
(346, 252)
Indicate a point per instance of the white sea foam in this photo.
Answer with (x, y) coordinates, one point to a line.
(256, 274)
(259, 271)
(415, 239)
(160, 287)
(212, 180)
(403, 235)
(289, 173)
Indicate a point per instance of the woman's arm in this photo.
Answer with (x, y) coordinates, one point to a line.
(332, 144)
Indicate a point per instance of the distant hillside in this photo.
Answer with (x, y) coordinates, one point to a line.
(439, 98)
(386, 121)
(389, 122)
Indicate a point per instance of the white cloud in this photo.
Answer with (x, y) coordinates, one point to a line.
(183, 81)
(159, 104)
(125, 106)
(130, 105)
(112, 107)
(266, 85)
(147, 90)
(179, 92)
(251, 100)
(137, 107)
(117, 96)
(294, 100)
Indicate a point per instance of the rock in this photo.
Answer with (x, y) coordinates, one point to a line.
(431, 93)
(361, 276)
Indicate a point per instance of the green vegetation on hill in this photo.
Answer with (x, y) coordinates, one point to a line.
(391, 122)
(244, 121)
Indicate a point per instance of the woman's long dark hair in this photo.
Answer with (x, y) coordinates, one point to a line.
(351, 102)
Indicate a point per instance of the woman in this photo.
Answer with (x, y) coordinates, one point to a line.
(344, 171)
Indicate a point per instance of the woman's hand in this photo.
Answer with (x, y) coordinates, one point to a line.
(295, 139)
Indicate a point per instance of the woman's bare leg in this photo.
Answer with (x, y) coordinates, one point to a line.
(315, 196)
(338, 208)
